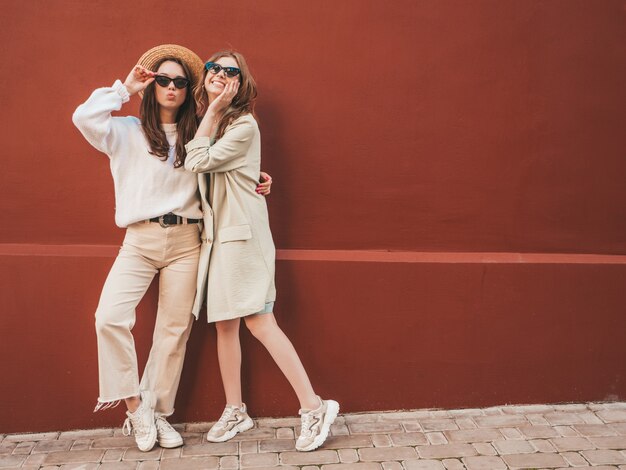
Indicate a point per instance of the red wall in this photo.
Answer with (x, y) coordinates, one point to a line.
(487, 127)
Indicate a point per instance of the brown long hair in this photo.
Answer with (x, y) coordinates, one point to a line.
(186, 119)
(243, 102)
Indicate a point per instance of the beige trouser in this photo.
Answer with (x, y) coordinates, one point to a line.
(148, 248)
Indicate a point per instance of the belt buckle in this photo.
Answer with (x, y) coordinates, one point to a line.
(168, 216)
(176, 220)
(162, 222)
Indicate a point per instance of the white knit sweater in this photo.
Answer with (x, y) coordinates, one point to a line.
(145, 185)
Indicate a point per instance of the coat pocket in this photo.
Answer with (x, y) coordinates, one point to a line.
(235, 233)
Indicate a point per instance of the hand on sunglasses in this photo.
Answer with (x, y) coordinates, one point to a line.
(219, 104)
(138, 79)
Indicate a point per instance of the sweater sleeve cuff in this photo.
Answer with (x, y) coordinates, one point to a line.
(121, 90)
(198, 142)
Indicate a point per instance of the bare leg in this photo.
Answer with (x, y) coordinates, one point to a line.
(266, 330)
(229, 357)
(133, 403)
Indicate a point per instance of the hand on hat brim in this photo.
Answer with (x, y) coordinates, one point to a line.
(138, 79)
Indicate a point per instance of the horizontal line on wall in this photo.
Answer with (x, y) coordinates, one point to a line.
(90, 251)
(447, 257)
(109, 251)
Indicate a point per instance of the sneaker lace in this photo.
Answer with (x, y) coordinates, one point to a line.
(162, 425)
(127, 428)
(134, 424)
(305, 428)
(226, 415)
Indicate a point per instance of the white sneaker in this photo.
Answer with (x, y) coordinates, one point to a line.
(233, 420)
(316, 424)
(167, 436)
(141, 423)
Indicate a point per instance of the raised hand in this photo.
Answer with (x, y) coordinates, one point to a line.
(138, 79)
(216, 109)
(219, 104)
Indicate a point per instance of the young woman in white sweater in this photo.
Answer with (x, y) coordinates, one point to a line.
(227, 150)
(156, 200)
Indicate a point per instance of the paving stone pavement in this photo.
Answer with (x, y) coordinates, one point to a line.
(505, 437)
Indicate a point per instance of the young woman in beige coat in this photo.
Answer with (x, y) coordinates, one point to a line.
(239, 255)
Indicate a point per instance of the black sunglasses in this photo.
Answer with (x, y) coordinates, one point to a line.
(179, 82)
(217, 68)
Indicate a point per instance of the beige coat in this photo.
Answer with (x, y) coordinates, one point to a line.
(237, 254)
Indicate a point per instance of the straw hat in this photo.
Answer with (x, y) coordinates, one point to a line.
(152, 57)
